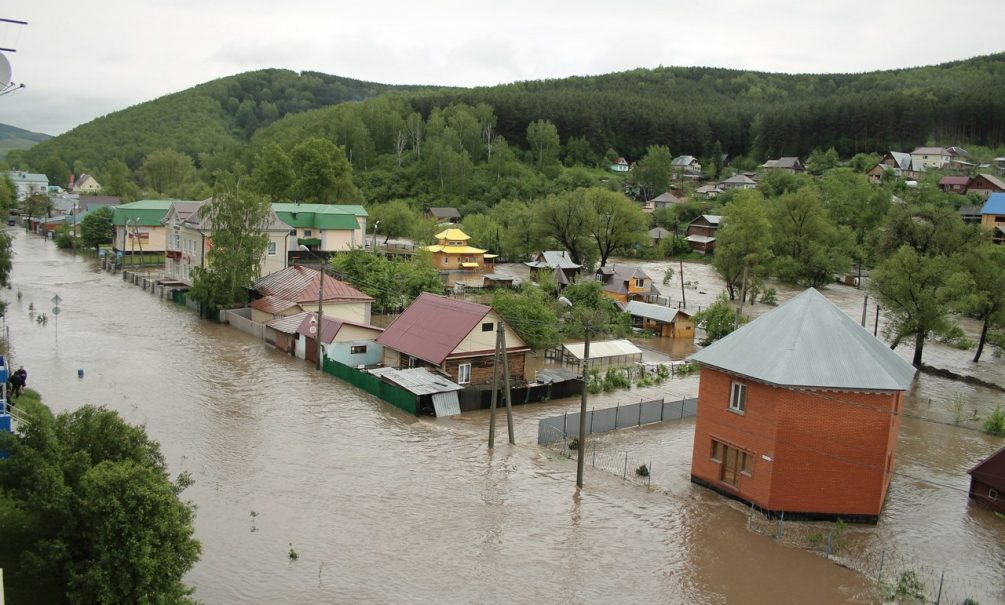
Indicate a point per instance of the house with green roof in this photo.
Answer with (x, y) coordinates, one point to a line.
(139, 226)
(323, 227)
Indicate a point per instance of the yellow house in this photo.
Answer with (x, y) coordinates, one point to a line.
(452, 253)
(139, 226)
(664, 321)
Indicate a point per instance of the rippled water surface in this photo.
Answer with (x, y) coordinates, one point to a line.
(385, 508)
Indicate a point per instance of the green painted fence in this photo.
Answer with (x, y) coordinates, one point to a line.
(396, 396)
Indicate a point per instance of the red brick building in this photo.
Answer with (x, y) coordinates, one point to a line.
(987, 481)
(454, 336)
(798, 412)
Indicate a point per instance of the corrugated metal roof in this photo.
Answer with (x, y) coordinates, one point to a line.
(554, 259)
(656, 312)
(995, 204)
(666, 197)
(993, 180)
(300, 285)
(288, 324)
(954, 180)
(659, 233)
(991, 470)
(319, 216)
(740, 179)
(603, 348)
(271, 304)
(149, 212)
(445, 213)
(808, 342)
(418, 381)
(432, 327)
(700, 239)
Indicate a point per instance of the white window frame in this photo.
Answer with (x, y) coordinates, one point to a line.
(272, 248)
(738, 398)
(992, 493)
(464, 373)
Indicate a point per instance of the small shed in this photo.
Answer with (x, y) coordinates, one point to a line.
(603, 354)
(282, 332)
(665, 321)
(658, 234)
(987, 481)
(434, 394)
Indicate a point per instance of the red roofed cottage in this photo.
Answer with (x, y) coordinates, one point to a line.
(798, 412)
(456, 336)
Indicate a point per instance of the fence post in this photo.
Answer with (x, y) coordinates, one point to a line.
(781, 526)
(594, 463)
(565, 425)
(640, 413)
(882, 559)
(750, 517)
(941, 579)
(591, 425)
(625, 476)
(649, 477)
(662, 404)
(682, 408)
(830, 537)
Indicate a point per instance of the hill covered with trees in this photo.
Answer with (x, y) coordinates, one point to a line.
(12, 137)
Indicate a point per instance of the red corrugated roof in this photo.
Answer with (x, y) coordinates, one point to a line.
(300, 284)
(271, 304)
(954, 180)
(432, 327)
(991, 471)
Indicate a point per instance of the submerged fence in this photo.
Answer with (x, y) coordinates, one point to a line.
(396, 396)
(894, 576)
(619, 417)
(627, 466)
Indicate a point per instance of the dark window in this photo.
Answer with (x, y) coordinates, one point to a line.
(487, 327)
(357, 349)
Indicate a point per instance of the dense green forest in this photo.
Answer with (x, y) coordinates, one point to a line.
(748, 113)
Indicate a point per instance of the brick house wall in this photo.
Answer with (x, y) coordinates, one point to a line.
(812, 454)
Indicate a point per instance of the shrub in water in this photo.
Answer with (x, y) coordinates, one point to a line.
(995, 423)
(642, 471)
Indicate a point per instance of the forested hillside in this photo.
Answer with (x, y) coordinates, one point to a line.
(12, 137)
(213, 118)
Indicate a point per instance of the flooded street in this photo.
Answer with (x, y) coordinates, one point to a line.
(383, 507)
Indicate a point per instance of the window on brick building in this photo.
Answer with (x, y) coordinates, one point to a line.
(464, 373)
(738, 398)
(734, 462)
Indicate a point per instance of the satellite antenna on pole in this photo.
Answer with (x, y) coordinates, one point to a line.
(6, 85)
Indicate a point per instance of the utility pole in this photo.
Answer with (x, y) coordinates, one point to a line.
(509, 403)
(875, 327)
(495, 395)
(321, 292)
(581, 458)
(683, 298)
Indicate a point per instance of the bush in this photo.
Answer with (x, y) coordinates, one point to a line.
(642, 471)
(770, 297)
(574, 443)
(995, 423)
(910, 586)
(616, 379)
(64, 238)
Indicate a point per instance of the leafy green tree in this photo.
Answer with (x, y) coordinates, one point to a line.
(809, 248)
(393, 284)
(8, 194)
(396, 219)
(718, 320)
(856, 204)
(531, 312)
(106, 523)
(238, 219)
(323, 174)
(980, 289)
(591, 307)
(273, 175)
(614, 222)
(542, 137)
(96, 227)
(564, 217)
(37, 204)
(6, 254)
(778, 182)
(928, 229)
(519, 238)
(166, 170)
(578, 152)
(743, 242)
(652, 173)
(820, 162)
(915, 297)
(116, 179)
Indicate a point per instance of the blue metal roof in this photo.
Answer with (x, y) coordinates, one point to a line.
(995, 204)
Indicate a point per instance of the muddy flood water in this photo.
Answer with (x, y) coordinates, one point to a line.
(383, 507)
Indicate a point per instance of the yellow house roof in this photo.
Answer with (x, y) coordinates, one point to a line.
(454, 249)
(453, 235)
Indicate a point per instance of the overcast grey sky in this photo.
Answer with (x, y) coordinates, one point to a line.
(81, 60)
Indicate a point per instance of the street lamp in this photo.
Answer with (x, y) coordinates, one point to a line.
(321, 290)
(375, 225)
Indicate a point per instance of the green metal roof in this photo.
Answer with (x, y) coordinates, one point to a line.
(149, 212)
(319, 216)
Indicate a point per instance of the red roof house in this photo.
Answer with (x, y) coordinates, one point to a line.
(455, 336)
(954, 184)
(798, 413)
(295, 290)
(987, 481)
(985, 184)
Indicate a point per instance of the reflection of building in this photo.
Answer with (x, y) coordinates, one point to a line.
(452, 253)
(798, 412)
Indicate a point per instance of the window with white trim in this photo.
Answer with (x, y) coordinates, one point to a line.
(738, 398)
(464, 373)
(271, 251)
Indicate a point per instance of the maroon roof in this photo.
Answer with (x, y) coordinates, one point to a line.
(954, 180)
(329, 327)
(300, 284)
(432, 327)
(271, 304)
(991, 471)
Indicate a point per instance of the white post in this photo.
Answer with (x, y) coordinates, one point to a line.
(1, 586)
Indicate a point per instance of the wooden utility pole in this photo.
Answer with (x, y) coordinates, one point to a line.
(581, 458)
(495, 394)
(500, 352)
(683, 298)
(865, 307)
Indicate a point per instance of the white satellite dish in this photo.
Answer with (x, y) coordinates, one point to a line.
(5, 72)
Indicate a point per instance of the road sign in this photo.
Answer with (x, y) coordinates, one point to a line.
(56, 300)
(56, 310)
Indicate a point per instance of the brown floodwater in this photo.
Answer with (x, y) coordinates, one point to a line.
(383, 507)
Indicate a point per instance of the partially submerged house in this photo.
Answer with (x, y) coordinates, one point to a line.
(429, 391)
(350, 343)
(456, 337)
(798, 412)
(987, 481)
(658, 234)
(139, 226)
(664, 321)
(622, 283)
(295, 290)
(451, 252)
(554, 262)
